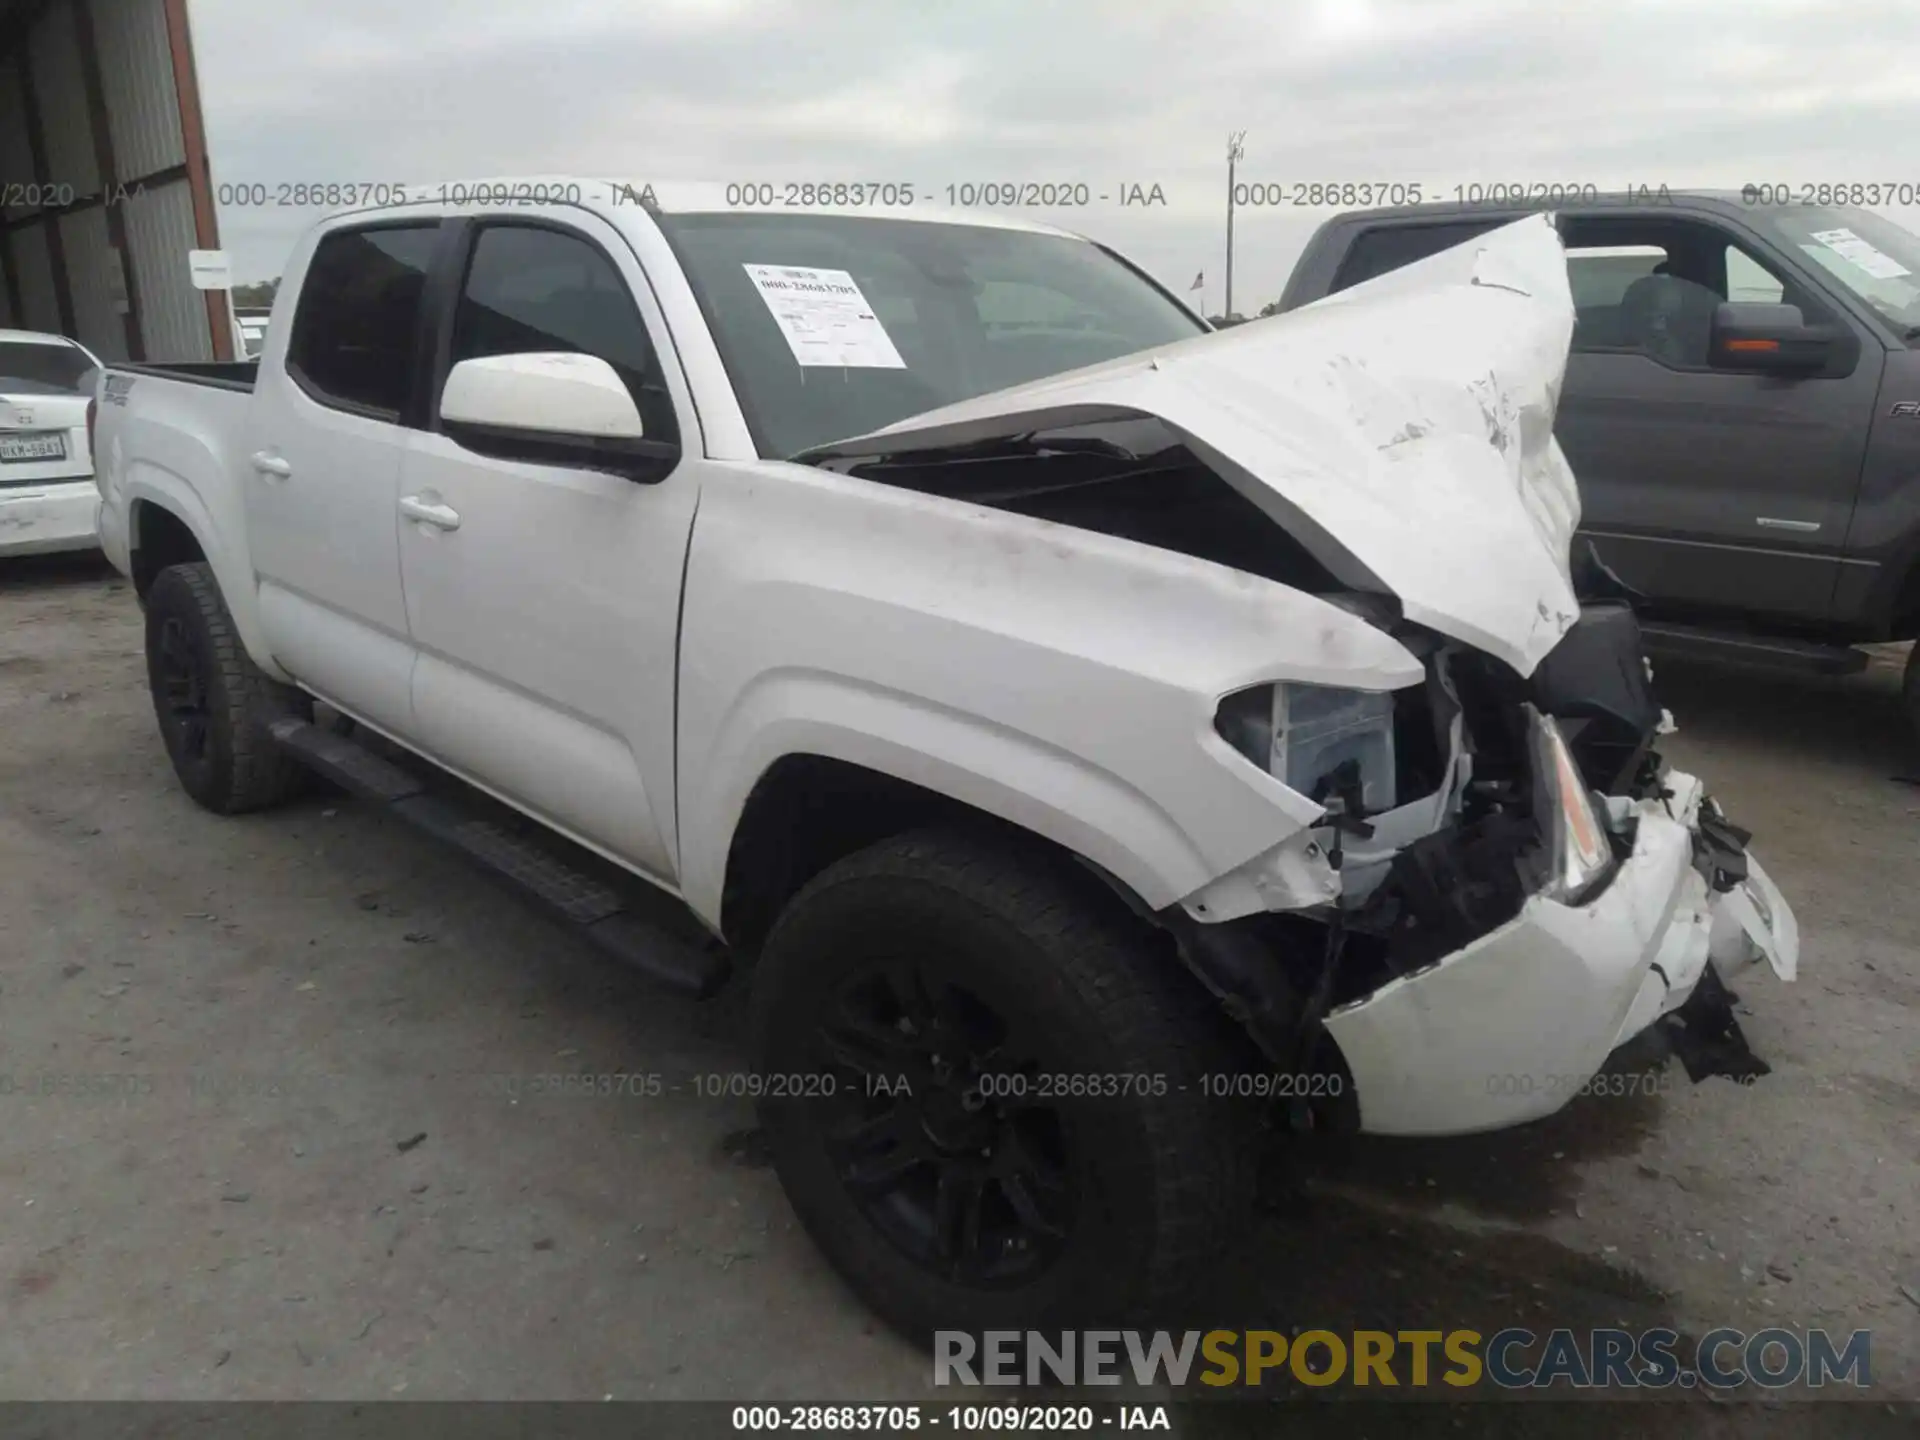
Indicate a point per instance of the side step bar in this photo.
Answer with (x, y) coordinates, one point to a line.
(1734, 647)
(589, 907)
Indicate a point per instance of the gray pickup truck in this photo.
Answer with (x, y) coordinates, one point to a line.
(1742, 409)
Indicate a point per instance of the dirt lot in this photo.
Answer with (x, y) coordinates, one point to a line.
(314, 1186)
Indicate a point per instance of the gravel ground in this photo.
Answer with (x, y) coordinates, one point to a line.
(314, 1186)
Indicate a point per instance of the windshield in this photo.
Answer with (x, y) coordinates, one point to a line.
(831, 326)
(1873, 257)
(36, 368)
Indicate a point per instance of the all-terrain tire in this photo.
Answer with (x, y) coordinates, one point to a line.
(1164, 1173)
(213, 703)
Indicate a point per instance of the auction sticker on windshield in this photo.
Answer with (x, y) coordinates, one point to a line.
(825, 317)
(1849, 246)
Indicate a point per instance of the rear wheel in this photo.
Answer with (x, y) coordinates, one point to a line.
(984, 1086)
(213, 703)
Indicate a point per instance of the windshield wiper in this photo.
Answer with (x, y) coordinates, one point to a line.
(998, 447)
(1031, 444)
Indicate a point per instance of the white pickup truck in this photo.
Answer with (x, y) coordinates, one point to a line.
(1087, 725)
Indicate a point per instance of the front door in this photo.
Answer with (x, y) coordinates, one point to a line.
(543, 600)
(1705, 490)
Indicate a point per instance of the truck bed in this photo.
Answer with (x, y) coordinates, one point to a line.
(223, 374)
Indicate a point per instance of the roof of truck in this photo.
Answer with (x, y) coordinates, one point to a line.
(696, 197)
(1649, 199)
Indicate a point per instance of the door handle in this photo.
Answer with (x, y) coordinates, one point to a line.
(429, 512)
(267, 464)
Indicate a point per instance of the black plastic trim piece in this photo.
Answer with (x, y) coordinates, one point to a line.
(589, 907)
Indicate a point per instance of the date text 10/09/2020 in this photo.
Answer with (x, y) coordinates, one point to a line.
(1064, 193)
(898, 194)
(898, 1419)
(753, 194)
(1070, 194)
(1013, 1085)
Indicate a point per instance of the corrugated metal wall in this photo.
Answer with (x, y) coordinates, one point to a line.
(136, 71)
(16, 157)
(33, 264)
(90, 271)
(160, 233)
(115, 274)
(55, 51)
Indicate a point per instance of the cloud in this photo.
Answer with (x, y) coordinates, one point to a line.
(1717, 92)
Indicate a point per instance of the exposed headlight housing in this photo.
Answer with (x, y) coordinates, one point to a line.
(1300, 734)
(1579, 857)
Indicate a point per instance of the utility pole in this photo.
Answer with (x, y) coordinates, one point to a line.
(1235, 152)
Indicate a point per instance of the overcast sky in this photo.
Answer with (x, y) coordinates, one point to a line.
(1434, 92)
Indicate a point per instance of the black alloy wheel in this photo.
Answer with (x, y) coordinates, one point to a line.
(214, 706)
(983, 1084)
(942, 1137)
(181, 693)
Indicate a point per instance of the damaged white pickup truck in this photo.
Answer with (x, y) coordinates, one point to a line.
(1132, 723)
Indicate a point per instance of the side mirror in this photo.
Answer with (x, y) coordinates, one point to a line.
(548, 393)
(1769, 339)
(552, 408)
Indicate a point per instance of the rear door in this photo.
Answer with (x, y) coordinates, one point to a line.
(322, 471)
(543, 601)
(1706, 490)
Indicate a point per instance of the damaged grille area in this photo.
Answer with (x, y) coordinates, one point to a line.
(1445, 890)
(1595, 683)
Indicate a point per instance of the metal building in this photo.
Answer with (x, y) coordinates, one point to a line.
(104, 185)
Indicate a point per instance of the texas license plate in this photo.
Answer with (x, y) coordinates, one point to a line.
(51, 446)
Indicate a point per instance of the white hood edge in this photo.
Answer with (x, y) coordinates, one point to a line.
(1402, 431)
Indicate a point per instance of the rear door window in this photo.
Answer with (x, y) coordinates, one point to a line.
(356, 328)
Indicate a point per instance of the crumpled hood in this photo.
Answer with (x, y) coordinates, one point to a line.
(1401, 430)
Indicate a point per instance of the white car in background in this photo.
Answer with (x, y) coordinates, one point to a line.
(47, 498)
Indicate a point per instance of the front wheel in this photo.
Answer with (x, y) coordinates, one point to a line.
(213, 703)
(985, 1087)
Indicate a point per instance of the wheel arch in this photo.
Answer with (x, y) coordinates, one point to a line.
(159, 538)
(807, 810)
(171, 527)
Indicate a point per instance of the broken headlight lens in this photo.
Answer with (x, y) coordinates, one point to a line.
(1579, 856)
(1301, 734)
